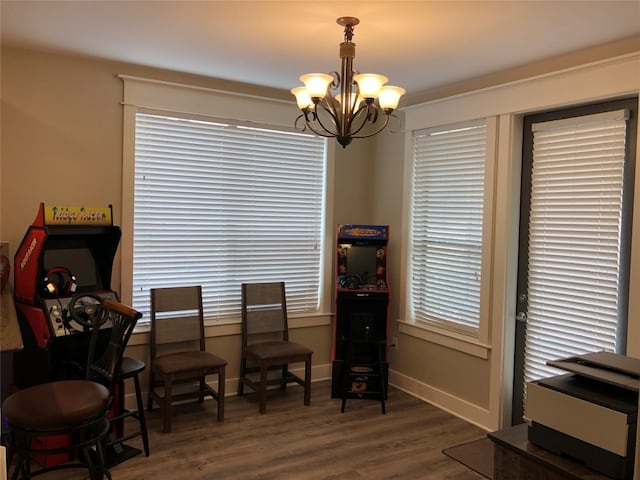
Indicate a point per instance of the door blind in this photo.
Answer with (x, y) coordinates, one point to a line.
(574, 239)
(446, 226)
(218, 205)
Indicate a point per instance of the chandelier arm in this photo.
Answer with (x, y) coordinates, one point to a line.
(334, 118)
(308, 117)
(320, 133)
(330, 103)
(356, 133)
(364, 116)
(356, 116)
(298, 125)
(335, 83)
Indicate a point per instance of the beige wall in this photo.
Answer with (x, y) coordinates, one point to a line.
(61, 137)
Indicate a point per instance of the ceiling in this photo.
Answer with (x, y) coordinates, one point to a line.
(419, 45)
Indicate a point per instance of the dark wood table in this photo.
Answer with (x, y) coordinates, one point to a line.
(515, 458)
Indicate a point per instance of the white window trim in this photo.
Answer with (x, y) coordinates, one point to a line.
(476, 345)
(147, 94)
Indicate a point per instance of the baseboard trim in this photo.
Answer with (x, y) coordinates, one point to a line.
(445, 401)
(427, 393)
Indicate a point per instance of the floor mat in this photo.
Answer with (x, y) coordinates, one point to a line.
(476, 455)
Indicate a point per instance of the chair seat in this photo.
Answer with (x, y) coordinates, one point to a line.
(277, 350)
(56, 405)
(174, 363)
(130, 367)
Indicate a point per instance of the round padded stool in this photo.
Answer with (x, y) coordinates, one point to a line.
(72, 411)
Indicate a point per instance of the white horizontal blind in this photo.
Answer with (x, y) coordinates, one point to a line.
(218, 205)
(574, 239)
(446, 226)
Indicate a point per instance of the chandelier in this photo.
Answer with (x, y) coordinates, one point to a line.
(351, 112)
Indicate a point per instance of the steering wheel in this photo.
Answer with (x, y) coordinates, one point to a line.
(89, 314)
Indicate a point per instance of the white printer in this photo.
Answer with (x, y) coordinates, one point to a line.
(589, 414)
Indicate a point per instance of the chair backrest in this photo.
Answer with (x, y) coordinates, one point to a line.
(104, 367)
(177, 320)
(264, 312)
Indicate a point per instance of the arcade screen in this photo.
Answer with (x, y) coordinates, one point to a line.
(79, 261)
(361, 261)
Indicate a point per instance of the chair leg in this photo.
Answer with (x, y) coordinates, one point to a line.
(21, 466)
(9, 453)
(346, 371)
(307, 381)
(221, 383)
(141, 416)
(152, 383)
(118, 426)
(17, 449)
(382, 378)
(262, 394)
(89, 462)
(285, 374)
(243, 368)
(101, 469)
(201, 388)
(166, 407)
(98, 470)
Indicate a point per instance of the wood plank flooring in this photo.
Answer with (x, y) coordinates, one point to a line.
(294, 442)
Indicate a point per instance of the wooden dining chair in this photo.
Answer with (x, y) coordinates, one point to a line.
(178, 352)
(266, 345)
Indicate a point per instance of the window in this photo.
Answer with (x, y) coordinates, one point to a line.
(218, 204)
(446, 227)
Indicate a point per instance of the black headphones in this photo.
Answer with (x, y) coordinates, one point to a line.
(59, 282)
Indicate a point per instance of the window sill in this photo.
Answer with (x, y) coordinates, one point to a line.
(230, 327)
(445, 338)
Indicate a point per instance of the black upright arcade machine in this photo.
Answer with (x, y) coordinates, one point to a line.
(362, 300)
(62, 267)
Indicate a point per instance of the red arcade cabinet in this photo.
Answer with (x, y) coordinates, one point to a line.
(64, 260)
(362, 300)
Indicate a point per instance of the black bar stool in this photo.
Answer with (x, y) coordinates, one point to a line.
(130, 368)
(363, 370)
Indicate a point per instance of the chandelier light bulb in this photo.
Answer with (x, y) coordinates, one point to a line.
(390, 97)
(303, 98)
(316, 84)
(370, 84)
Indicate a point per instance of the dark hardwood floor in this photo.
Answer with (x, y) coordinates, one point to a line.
(296, 442)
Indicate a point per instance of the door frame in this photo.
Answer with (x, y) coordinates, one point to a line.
(521, 301)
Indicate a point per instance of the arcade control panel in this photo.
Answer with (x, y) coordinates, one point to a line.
(59, 315)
